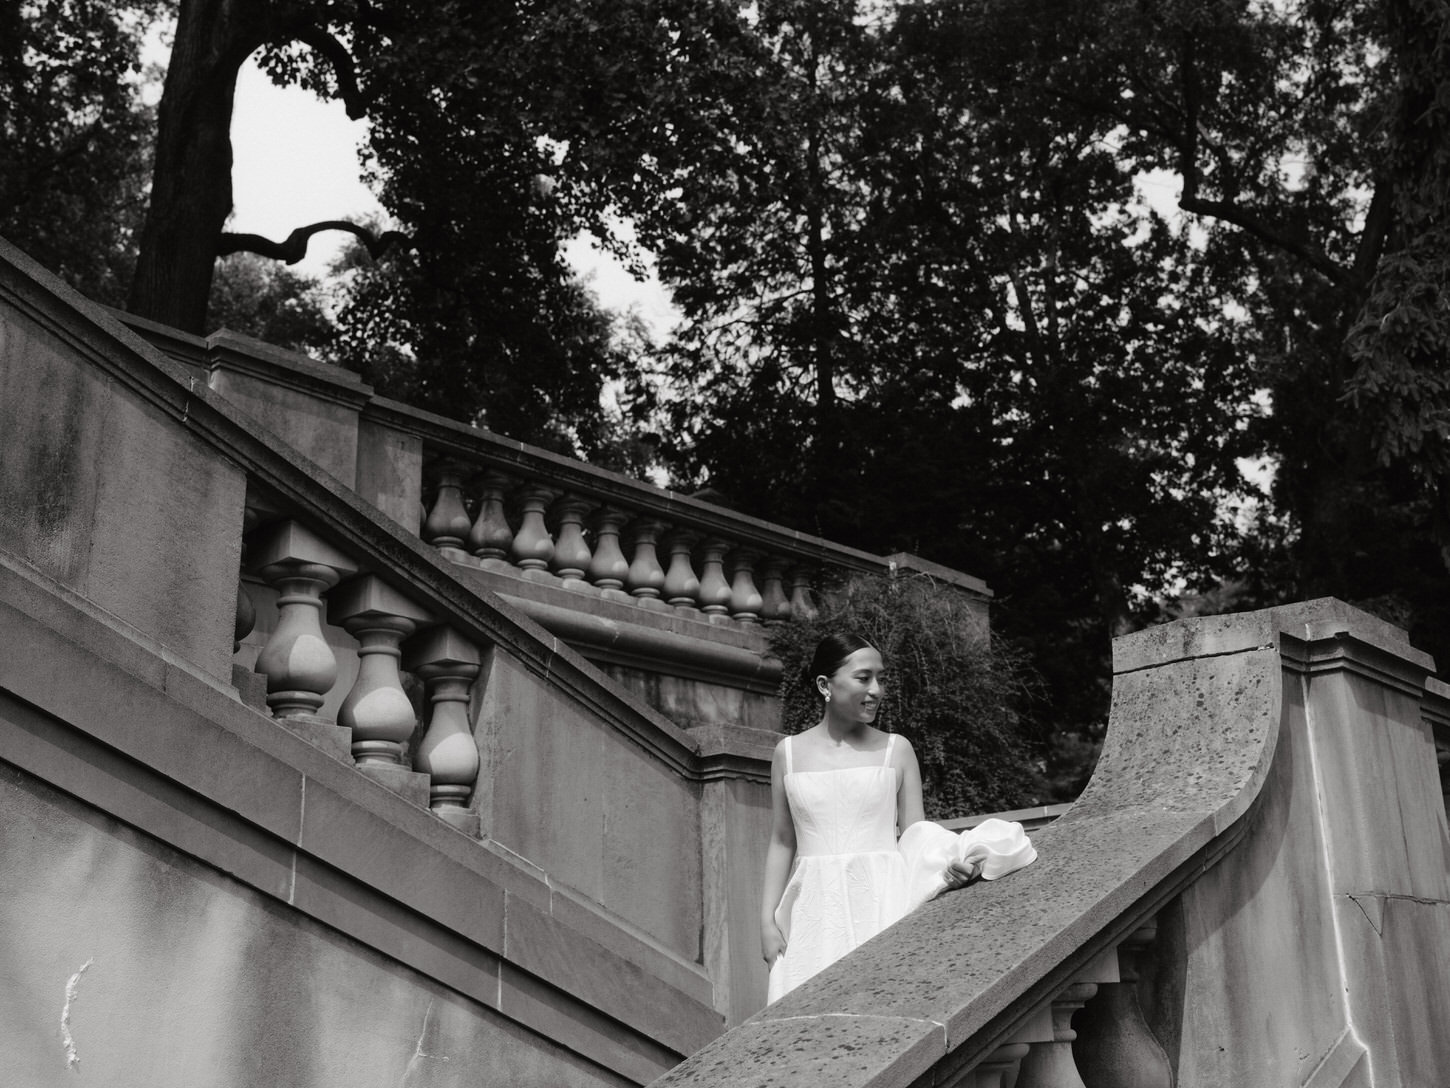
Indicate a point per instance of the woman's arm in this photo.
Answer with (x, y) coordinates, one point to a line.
(779, 855)
(909, 809)
(908, 789)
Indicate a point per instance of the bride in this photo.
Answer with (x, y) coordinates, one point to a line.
(835, 872)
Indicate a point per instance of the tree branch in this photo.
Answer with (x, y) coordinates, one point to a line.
(343, 67)
(295, 247)
(1246, 219)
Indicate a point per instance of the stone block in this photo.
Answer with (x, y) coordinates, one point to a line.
(410, 785)
(390, 471)
(537, 943)
(379, 852)
(588, 1033)
(251, 687)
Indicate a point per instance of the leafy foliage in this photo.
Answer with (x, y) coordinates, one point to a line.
(951, 690)
(269, 301)
(74, 136)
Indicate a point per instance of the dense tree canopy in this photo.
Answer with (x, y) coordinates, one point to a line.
(75, 138)
(926, 303)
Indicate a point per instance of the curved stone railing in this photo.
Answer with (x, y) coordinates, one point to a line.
(1264, 840)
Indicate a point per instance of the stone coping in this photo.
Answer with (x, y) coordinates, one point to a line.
(130, 729)
(294, 486)
(1194, 727)
(1030, 818)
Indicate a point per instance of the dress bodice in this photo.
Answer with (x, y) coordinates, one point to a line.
(851, 810)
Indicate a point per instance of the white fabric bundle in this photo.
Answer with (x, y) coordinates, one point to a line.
(997, 847)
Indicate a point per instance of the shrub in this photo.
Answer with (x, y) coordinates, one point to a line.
(951, 689)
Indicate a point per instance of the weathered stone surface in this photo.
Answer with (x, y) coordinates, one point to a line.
(103, 914)
(286, 821)
(579, 800)
(99, 494)
(311, 406)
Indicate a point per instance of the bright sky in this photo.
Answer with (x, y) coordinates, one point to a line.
(295, 162)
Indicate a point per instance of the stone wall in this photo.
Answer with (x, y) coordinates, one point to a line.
(130, 965)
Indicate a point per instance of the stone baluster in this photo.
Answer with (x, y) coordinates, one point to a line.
(533, 546)
(745, 600)
(245, 617)
(801, 605)
(682, 588)
(377, 710)
(998, 1069)
(608, 568)
(714, 589)
(1051, 1064)
(448, 664)
(646, 578)
(447, 524)
(490, 539)
(1114, 1044)
(1442, 762)
(775, 605)
(299, 665)
(571, 551)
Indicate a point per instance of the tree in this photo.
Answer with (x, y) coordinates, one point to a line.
(497, 132)
(74, 136)
(1311, 144)
(1034, 377)
(261, 298)
(954, 692)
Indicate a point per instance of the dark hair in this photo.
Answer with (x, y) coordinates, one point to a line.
(831, 653)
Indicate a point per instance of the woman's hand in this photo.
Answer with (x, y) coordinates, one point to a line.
(772, 943)
(961, 873)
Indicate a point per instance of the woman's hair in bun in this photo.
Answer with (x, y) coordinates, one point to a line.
(831, 653)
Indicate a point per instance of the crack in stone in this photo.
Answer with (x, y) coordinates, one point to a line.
(419, 1054)
(72, 1056)
(1355, 900)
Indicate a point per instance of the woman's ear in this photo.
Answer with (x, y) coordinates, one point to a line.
(823, 686)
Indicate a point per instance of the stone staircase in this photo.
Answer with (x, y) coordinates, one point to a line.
(332, 751)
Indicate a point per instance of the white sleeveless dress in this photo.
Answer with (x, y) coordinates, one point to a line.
(849, 881)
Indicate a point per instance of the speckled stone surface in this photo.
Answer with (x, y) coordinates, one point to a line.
(1204, 739)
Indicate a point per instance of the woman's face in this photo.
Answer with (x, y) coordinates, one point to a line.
(853, 692)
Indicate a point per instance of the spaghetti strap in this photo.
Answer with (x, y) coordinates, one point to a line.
(890, 743)
(788, 746)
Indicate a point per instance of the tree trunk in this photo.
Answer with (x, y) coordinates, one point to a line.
(191, 188)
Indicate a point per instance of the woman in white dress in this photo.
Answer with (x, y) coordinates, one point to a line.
(834, 876)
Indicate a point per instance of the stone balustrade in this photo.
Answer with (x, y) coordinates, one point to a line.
(670, 595)
(586, 539)
(421, 748)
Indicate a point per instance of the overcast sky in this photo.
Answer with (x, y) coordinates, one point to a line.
(295, 162)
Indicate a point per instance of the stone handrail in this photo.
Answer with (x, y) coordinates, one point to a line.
(1245, 764)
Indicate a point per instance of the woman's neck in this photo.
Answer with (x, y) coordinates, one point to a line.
(841, 732)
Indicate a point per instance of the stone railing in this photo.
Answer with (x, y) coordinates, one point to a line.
(645, 582)
(1253, 889)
